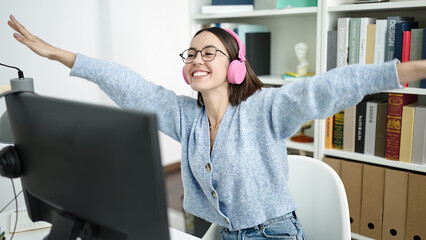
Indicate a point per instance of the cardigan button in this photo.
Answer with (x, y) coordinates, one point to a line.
(214, 194)
(208, 167)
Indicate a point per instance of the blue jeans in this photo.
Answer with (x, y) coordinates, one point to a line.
(284, 227)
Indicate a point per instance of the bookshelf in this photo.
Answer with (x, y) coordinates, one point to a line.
(377, 10)
(315, 22)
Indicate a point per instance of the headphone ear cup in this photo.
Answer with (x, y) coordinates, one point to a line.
(10, 165)
(236, 72)
(184, 76)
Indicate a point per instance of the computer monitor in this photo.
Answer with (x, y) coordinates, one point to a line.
(92, 171)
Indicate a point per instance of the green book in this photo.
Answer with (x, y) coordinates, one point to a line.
(338, 130)
(354, 33)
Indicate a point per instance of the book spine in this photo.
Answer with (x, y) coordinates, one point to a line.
(382, 109)
(360, 126)
(363, 30)
(349, 127)
(419, 135)
(407, 128)
(380, 41)
(370, 128)
(342, 41)
(423, 82)
(406, 41)
(328, 143)
(338, 130)
(370, 48)
(416, 49)
(331, 49)
(354, 33)
(396, 102)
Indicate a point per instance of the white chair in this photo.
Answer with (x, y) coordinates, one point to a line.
(321, 199)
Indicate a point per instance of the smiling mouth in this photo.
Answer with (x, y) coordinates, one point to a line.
(199, 74)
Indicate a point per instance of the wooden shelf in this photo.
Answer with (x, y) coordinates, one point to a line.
(375, 160)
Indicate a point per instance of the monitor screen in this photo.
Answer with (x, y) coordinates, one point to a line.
(90, 170)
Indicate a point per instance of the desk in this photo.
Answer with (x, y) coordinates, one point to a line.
(40, 234)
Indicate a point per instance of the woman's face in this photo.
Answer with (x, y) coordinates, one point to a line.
(204, 76)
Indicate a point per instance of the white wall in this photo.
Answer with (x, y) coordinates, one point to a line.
(143, 35)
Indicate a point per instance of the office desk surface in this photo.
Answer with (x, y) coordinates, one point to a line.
(40, 234)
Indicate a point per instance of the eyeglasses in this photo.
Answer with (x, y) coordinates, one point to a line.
(207, 54)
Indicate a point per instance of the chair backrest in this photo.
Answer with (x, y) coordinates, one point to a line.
(320, 197)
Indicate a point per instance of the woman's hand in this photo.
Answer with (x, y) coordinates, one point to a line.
(39, 46)
(411, 71)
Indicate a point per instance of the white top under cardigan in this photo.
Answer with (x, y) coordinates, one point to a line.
(247, 183)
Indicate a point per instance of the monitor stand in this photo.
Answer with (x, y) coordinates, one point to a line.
(64, 228)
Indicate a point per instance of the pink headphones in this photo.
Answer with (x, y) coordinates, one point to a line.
(237, 68)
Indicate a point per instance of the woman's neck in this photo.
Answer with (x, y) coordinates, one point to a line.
(215, 106)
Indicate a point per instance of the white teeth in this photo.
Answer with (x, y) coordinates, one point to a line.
(196, 74)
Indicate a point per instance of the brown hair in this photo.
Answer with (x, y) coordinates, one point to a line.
(251, 83)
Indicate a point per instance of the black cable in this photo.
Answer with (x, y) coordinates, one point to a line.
(20, 73)
(11, 201)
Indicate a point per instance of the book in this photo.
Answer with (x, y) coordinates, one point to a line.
(423, 82)
(418, 155)
(396, 102)
(390, 34)
(416, 48)
(258, 52)
(338, 130)
(232, 2)
(380, 41)
(363, 27)
(331, 49)
(216, 9)
(406, 48)
(349, 128)
(407, 127)
(380, 143)
(371, 39)
(328, 142)
(354, 33)
(342, 41)
(361, 113)
(400, 28)
(370, 127)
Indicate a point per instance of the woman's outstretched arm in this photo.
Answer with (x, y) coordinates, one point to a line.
(39, 46)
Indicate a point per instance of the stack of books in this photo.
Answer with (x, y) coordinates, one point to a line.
(380, 126)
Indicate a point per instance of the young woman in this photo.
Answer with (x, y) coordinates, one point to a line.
(234, 159)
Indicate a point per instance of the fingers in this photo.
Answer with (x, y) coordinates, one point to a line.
(15, 25)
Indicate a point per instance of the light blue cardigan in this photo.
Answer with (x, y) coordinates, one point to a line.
(247, 184)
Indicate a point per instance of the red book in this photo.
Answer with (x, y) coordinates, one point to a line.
(406, 40)
(393, 123)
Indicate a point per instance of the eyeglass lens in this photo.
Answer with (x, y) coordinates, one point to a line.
(207, 54)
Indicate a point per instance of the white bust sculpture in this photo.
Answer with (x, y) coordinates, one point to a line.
(301, 53)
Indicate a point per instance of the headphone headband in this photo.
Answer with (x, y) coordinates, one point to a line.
(241, 47)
